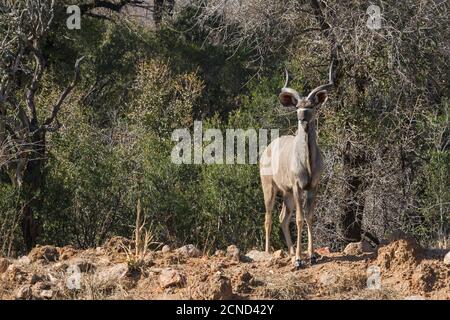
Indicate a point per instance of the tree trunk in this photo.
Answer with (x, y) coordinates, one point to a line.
(33, 178)
(158, 7)
(353, 211)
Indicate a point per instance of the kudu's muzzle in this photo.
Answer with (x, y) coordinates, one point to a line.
(304, 116)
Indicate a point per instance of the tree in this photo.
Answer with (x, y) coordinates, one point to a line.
(24, 124)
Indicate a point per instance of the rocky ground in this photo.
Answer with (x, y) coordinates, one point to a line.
(398, 269)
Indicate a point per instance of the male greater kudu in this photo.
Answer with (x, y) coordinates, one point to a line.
(292, 165)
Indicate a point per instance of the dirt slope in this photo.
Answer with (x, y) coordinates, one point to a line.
(397, 270)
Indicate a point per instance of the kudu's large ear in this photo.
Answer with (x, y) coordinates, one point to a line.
(321, 96)
(289, 97)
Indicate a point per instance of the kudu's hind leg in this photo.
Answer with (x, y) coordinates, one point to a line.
(309, 208)
(285, 219)
(269, 200)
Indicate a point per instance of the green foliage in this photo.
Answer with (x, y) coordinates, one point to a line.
(139, 84)
(10, 233)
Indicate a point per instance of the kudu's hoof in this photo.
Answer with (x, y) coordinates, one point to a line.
(298, 264)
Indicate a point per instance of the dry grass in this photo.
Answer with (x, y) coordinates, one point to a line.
(143, 238)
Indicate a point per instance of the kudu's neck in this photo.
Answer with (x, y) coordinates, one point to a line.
(306, 144)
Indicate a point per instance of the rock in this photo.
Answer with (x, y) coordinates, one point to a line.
(24, 260)
(424, 278)
(215, 267)
(47, 253)
(14, 274)
(258, 256)
(353, 249)
(245, 277)
(189, 251)
(119, 244)
(447, 258)
(35, 278)
(59, 267)
(279, 254)
(357, 248)
(67, 252)
(401, 255)
(171, 278)
(219, 253)
(83, 265)
(39, 286)
(233, 253)
(149, 260)
(328, 278)
(4, 264)
(220, 288)
(166, 249)
(24, 293)
(46, 294)
(324, 251)
(113, 273)
(244, 282)
(52, 278)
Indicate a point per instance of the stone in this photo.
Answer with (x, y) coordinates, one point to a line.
(323, 251)
(245, 277)
(189, 251)
(4, 264)
(39, 286)
(67, 252)
(46, 294)
(113, 273)
(83, 265)
(47, 253)
(119, 244)
(244, 282)
(217, 267)
(166, 249)
(24, 260)
(59, 267)
(35, 278)
(233, 253)
(279, 254)
(24, 293)
(424, 278)
(357, 248)
(14, 274)
(220, 288)
(219, 253)
(328, 278)
(258, 256)
(447, 258)
(171, 278)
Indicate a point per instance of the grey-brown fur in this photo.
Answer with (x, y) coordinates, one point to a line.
(292, 165)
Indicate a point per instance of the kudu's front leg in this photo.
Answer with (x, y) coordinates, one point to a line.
(269, 200)
(310, 206)
(299, 222)
(285, 219)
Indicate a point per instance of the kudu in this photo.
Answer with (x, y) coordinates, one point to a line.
(292, 165)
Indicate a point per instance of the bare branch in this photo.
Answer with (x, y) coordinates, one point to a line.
(56, 108)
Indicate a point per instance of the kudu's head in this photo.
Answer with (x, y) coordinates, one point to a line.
(306, 106)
